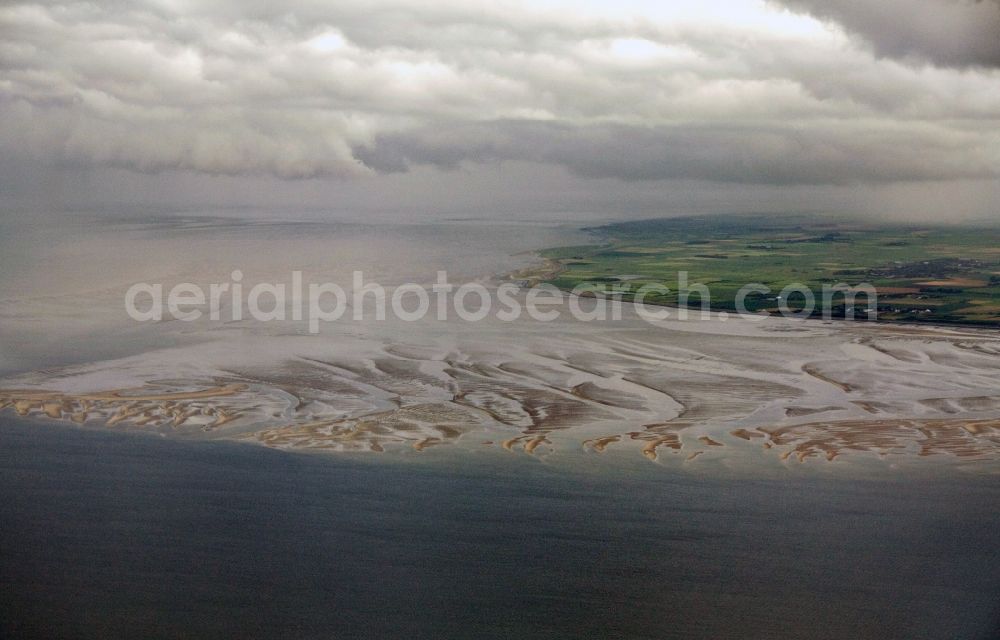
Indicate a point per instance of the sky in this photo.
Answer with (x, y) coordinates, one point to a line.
(505, 109)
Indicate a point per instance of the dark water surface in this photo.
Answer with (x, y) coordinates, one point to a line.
(106, 535)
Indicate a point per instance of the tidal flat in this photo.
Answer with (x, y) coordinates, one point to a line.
(775, 389)
(747, 390)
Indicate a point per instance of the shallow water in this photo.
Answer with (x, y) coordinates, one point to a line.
(113, 535)
(63, 277)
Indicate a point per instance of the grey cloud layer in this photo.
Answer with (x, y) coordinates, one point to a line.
(304, 89)
(772, 155)
(947, 32)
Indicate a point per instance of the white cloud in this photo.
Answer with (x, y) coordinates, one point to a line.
(743, 92)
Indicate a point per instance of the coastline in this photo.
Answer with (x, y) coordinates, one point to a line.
(685, 392)
(553, 267)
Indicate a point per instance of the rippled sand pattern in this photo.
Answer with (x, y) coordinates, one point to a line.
(200, 408)
(975, 439)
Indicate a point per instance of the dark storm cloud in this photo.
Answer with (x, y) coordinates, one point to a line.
(945, 32)
(316, 90)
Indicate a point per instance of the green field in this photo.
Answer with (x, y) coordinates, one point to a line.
(941, 274)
